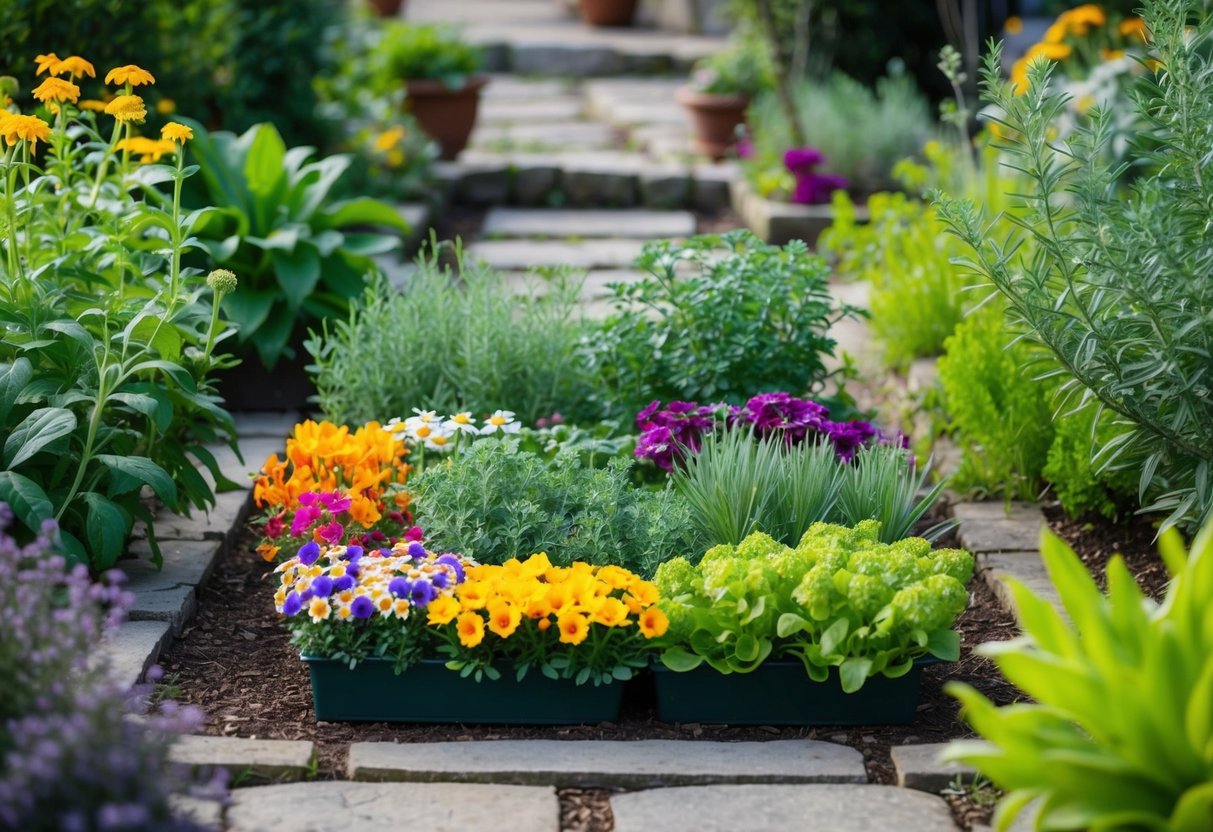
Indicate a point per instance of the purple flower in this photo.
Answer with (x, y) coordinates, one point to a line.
(353, 552)
(798, 159)
(812, 188)
(848, 437)
(292, 605)
(322, 587)
(440, 580)
(453, 562)
(414, 533)
(335, 502)
(331, 533)
(343, 583)
(416, 551)
(309, 552)
(665, 435)
(400, 587)
(303, 520)
(422, 593)
(362, 607)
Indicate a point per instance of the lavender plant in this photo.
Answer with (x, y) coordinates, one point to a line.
(69, 757)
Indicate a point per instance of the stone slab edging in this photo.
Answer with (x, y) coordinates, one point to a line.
(391, 807)
(775, 808)
(781, 222)
(918, 767)
(607, 764)
(1005, 541)
(276, 760)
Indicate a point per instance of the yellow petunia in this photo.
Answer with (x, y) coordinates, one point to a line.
(612, 613)
(471, 629)
(653, 623)
(504, 619)
(574, 627)
(56, 89)
(473, 594)
(176, 132)
(129, 74)
(127, 109)
(45, 62)
(75, 66)
(442, 610)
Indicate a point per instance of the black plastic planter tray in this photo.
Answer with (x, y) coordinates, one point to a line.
(781, 693)
(428, 692)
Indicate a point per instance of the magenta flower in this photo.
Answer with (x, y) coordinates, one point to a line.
(336, 502)
(304, 518)
(331, 533)
(666, 434)
(812, 188)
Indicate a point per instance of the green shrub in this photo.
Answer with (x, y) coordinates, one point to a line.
(841, 599)
(1073, 468)
(497, 501)
(300, 255)
(408, 50)
(1120, 729)
(742, 69)
(718, 318)
(1117, 288)
(450, 344)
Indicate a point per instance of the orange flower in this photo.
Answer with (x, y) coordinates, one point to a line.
(267, 551)
(129, 74)
(45, 62)
(75, 66)
(653, 623)
(56, 89)
(574, 627)
(470, 627)
(15, 127)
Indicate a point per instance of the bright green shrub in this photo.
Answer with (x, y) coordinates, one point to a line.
(1073, 470)
(1120, 732)
(840, 599)
(497, 501)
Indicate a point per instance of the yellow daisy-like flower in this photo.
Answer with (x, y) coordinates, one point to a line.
(56, 89)
(442, 610)
(46, 62)
(653, 623)
(1013, 25)
(15, 127)
(129, 74)
(92, 104)
(74, 66)
(148, 150)
(574, 627)
(471, 629)
(389, 138)
(1132, 27)
(166, 106)
(319, 609)
(127, 108)
(176, 132)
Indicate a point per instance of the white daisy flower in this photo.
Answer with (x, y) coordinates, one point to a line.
(462, 422)
(440, 440)
(502, 420)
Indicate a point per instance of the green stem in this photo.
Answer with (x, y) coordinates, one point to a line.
(103, 168)
(175, 263)
(90, 441)
(10, 201)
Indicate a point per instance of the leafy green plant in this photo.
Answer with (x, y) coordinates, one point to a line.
(1117, 287)
(497, 501)
(719, 317)
(301, 255)
(840, 599)
(450, 343)
(742, 69)
(409, 50)
(1121, 729)
(1072, 468)
(883, 484)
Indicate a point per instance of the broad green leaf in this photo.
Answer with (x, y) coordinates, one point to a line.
(834, 635)
(164, 338)
(107, 527)
(790, 624)
(363, 211)
(680, 660)
(1194, 811)
(297, 272)
(853, 673)
(369, 245)
(26, 498)
(143, 472)
(13, 379)
(39, 429)
(248, 308)
(944, 644)
(263, 168)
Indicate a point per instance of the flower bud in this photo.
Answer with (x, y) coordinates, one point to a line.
(221, 281)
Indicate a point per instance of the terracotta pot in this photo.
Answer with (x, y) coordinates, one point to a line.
(446, 115)
(716, 118)
(608, 12)
(388, 8)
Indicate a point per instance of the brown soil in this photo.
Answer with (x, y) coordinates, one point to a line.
(235, 662)
(1096, 540)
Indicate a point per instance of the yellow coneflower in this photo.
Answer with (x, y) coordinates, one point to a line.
(166, 106)
(92, 104)
(56, 89)
(14, 128)
(45, 62)
(74, 66)
(127, 108)
(129, 74)
(148, 150)
(389, 138)
(176, 132)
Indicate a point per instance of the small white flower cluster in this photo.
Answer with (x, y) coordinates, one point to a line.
(439, 434)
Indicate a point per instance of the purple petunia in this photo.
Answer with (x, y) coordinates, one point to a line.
(400, 587)
(309, 552)
(416, 551)
(322, 587)
(292, 605)
(665, 435)
(345, 582)
(303, 520)
(422, 592)
(353, 552)
(362, 607)
(453, 562)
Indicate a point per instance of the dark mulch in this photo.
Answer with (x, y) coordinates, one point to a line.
(1096, 540)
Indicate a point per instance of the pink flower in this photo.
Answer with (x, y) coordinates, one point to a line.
(273, 527)
(335, 502)
(303, 520)
(413, 534)
(331, 533)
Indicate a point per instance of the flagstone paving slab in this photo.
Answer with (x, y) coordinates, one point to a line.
(133, 648)
(267, 759)
(632, 764)
(539, 108)
(777, 808)
(390, 807)
(205, 813)
(918, 767)
(520, 255)
(1025, 567)
(555, 136)
(995, 527)
(514, 222)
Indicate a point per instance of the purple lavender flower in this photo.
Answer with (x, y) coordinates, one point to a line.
(362, 607)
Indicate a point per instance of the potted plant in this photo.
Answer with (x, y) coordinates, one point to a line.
(441, 80)
(387, 8)
(406, 635)
(718, 94)
(832, 632)
(608, 12)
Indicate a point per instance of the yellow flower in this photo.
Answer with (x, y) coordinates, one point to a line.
(504, 619)
(176, 132)
(74, 66)
(45, 62)
(653, 623)
(1132, 27)
(1057, 32)
(166, 106)
(127, 108)
(612, 613)
(473, 594)
(148, 150)
(319, 609)
(442, 610)
(574, 627)
(32, 129)
(1013, 26)
(539, 607)
(388, 139)
(471, 629)
(536, 565)
(92, 104)
(129, 74)
(56, 89)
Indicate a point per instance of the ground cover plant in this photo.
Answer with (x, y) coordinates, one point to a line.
(110, 341)
(839, 599)
(1116, 284)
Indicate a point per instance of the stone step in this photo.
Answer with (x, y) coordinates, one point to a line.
(132, 649)
(506, 110)
(631, 764)
(262, 759)
(522, 255)
(535, 136)
(777, 808)
(389, 807)
(635, 224)
(919, 767)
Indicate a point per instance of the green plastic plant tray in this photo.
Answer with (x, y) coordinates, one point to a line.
(781, 693)
(428, 692)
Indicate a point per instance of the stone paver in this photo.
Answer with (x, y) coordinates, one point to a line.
(1025, 567)
(918, 767)
(230, 508)
(390, 807)
(520, 255)
(514, 222)
(186, 563)
(255, 451)
(634, 764)
(205, 813)
(266, 759)
(133, 648)
(265, 425)
(995, 527)
(554, 136)
(780, 222)
(771, 808)
(539, 108)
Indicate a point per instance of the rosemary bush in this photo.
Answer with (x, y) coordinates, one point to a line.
(1117, 287)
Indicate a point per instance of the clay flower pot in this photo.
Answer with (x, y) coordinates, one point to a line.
(608, 12)
(388, 8)
(446, 115)
(716, 118)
